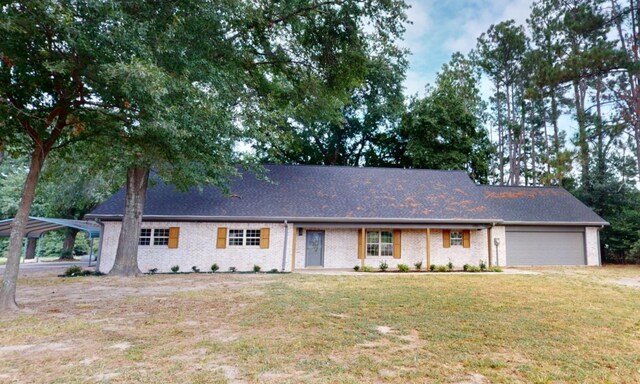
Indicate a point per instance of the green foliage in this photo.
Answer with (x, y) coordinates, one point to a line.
(418, 265)
(175, 268)
(356, 268)
(367, 268)
(494, 268)
(432, 267)
(73, 270)
(473, 268)
(444, 129)
(465, 267)
(256, 268)
(483, 265)
(214, 267)
(383, 266)
(442, 268)
(450, 265)
(403, 268)
(195, 269)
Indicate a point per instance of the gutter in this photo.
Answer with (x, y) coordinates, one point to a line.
(262, 219)
(560, 223)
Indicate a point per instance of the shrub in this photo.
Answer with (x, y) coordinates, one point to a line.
(274, 270)
(442, 268)
(175, 268)
(403, 268)
(384, 266)
(356, 268)
(195, 269)
(450, 265)
(495, 268)
(367, 268)
(153, 271)
(432, 267)
(473, 268)
(232, 269)
(73, 270)
(256, 268)
(87, 272)
(465, 267)
(483, 266)
(418, 265)
(214, 267)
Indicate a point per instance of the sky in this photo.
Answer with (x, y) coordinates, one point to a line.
(443, 27)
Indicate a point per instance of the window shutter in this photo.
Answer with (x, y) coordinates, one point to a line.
(397, 243)
(361, 244)
(446, 238)
(264, 238)
(466, 238)
(174, 236)
(222, 238)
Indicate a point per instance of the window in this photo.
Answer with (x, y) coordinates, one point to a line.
(248, 237)
(161, 236)
(379, 243)
(145, 236)
(158, 236)
(456, 238)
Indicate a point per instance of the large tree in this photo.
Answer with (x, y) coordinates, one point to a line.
(445, 130)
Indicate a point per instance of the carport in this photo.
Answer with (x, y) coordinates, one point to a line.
(39, 226)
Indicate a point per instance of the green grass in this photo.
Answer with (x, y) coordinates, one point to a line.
(566, 325)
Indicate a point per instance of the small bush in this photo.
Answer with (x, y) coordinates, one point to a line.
(465, 267)
(256, 268)
(450, 265)
(367, 268)
(214, 267)
(442, 268)
(175, 268)
(195, 269)
(483, 266)
(232, 269)
(356, 268)
(432, 267)
(418, 265)
(87, 272)
(495, 268)
(153, 271)
(403, 268)
(473, 268)
(384, 266)
(73, 270)
(274, 270)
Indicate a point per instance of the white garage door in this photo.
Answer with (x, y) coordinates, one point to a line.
(541, 247)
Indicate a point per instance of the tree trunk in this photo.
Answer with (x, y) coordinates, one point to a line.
(583, 144)
(30, 254)
(18, 227)
(69, 244)
(126, 263)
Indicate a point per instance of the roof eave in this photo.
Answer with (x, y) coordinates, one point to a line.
(363, 220)
(560, 223)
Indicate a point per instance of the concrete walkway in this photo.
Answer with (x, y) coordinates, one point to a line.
(335, 272)
(54, 267)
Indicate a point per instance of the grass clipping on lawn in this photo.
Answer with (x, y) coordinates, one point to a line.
(560, 326)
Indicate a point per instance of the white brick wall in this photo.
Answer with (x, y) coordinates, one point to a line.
(592, 245)
(197, 247)
(500, 233)
(457, 254)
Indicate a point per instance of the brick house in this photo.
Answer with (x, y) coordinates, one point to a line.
(339, 217)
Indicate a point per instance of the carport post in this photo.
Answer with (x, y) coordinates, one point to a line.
(38, 248)
(23, 255)
(90, 250)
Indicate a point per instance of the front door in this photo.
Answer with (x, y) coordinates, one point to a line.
(315, 249)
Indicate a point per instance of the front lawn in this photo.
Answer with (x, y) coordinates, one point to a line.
(565, 325)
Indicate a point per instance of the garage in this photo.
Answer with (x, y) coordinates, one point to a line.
(545, 246)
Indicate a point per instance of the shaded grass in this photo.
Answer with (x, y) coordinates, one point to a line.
(567, 325)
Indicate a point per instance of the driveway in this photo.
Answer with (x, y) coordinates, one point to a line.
(50, 267)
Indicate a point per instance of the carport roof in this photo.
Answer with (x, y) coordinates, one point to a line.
(37, 226)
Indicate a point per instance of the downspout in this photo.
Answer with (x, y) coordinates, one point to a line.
(284, 248)
(101, 224)
(489, 242)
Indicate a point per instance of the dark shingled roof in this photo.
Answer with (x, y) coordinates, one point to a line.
(298, 192)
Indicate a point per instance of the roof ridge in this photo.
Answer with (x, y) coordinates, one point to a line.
(358, 167)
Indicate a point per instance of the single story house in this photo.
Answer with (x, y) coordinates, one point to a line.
(339, 217)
